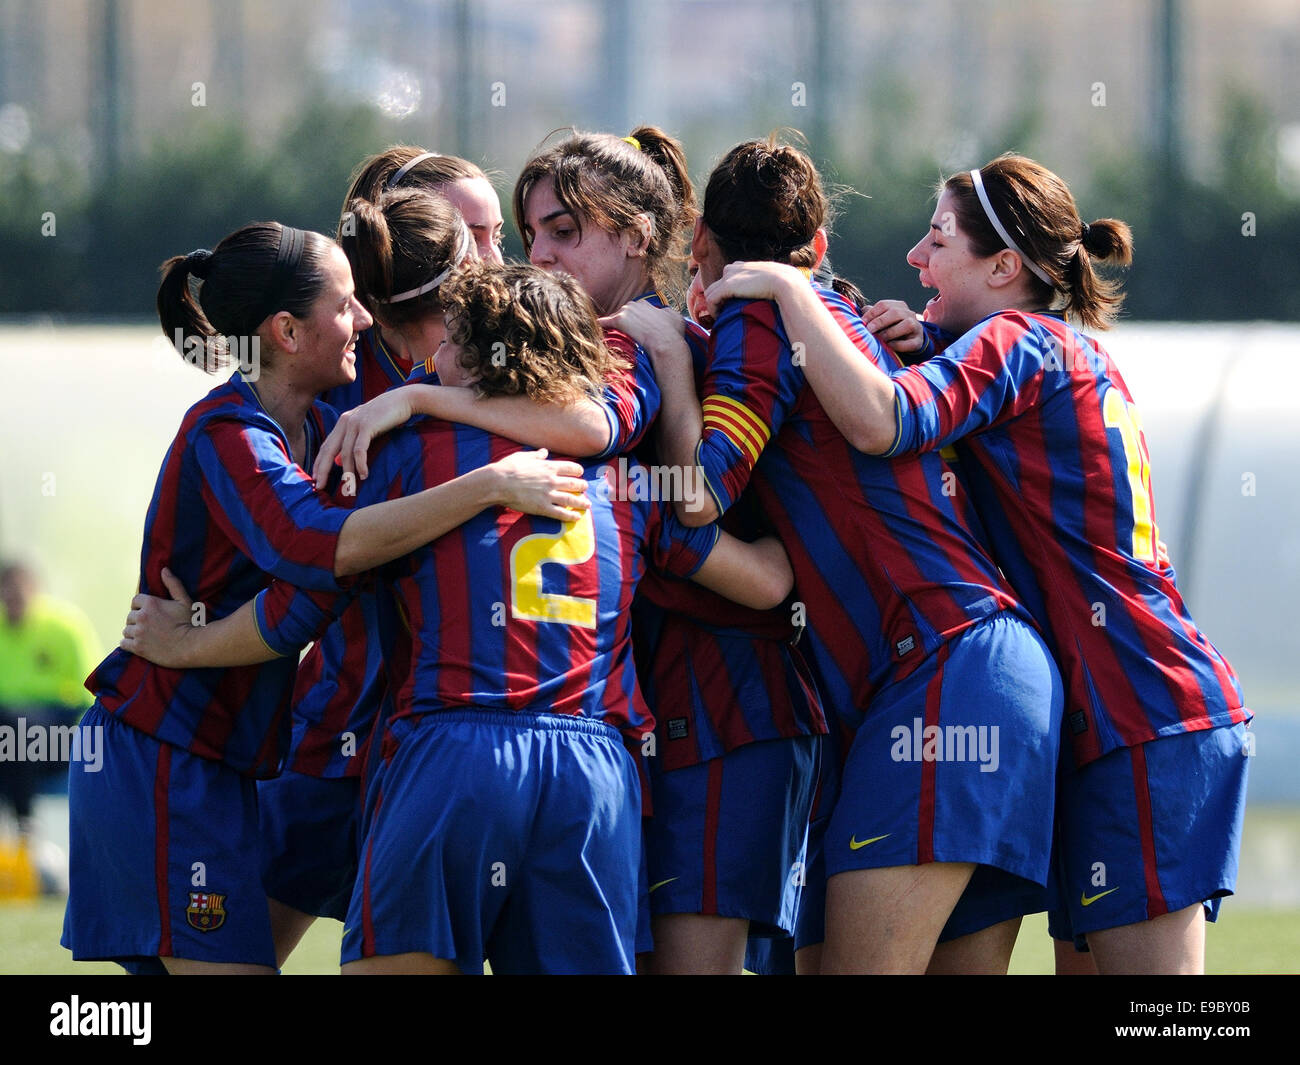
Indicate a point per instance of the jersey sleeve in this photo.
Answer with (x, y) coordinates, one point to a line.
(289, 617)
(631, 397)
(998, 370)
(750, 387)
(674, 548)
(267, 504)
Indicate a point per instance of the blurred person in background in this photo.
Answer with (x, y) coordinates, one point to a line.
(47, 648)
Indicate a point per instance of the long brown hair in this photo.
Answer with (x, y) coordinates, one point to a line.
(1038, 210)
(606, 181)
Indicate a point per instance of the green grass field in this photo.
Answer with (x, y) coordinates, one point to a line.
(1257, 932)
(1244, 940)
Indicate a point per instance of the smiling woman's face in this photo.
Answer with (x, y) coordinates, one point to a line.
(329, 332)
(945, 260)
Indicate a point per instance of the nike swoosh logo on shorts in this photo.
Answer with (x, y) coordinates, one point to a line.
(656, 887)
(1085, 901)
(856, 845)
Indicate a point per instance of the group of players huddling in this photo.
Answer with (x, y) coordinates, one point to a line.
(846, 635)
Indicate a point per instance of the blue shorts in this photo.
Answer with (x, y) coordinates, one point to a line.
(1150, 830)
(309, 836)
(728, 836)
(164, 856)
(770, 956)
(810, 922)
(645, 940)
(509, 836)
(957, 763)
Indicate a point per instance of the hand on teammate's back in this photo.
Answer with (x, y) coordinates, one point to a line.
(156, 628)
(550, 488)
(751, 281)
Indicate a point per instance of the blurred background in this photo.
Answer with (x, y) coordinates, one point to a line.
(132, 130)
(147, 126)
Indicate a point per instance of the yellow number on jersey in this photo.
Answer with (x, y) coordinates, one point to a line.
(575, 544)
(1118, 413)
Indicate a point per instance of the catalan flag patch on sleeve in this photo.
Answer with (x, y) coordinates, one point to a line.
(738, 424)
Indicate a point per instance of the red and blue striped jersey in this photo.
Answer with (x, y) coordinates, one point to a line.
(230, 510)
(340, 688)
(509, 611)
(631, 398)
(717, 674)
(886, 567)
(1058, 465)
(341, 680)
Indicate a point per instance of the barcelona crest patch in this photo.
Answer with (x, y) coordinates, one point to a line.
(206, 911)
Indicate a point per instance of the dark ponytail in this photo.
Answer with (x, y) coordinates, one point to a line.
(179, 312)
(669, 154)
(844, 287)
(256, 271)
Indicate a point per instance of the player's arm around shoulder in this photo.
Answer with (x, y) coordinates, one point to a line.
(757, 575)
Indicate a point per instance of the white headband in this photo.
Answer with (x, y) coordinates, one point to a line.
(978, 182)
(392, 181)
(465, 242)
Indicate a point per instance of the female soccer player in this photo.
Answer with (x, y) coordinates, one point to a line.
(402, 243)
(1151, 811)
(738, 711)
(507, 818)
(309, 812)
(403, 230)
(907, 616)
(164, 841)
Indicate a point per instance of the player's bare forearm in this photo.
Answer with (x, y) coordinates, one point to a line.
(230, 641)
(170, 633)
(680, 427)
(578, 428)
(856, 395)
(756, 575)
(526, 481)
(380, 533)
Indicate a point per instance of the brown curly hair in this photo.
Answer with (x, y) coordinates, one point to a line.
(525, 332)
